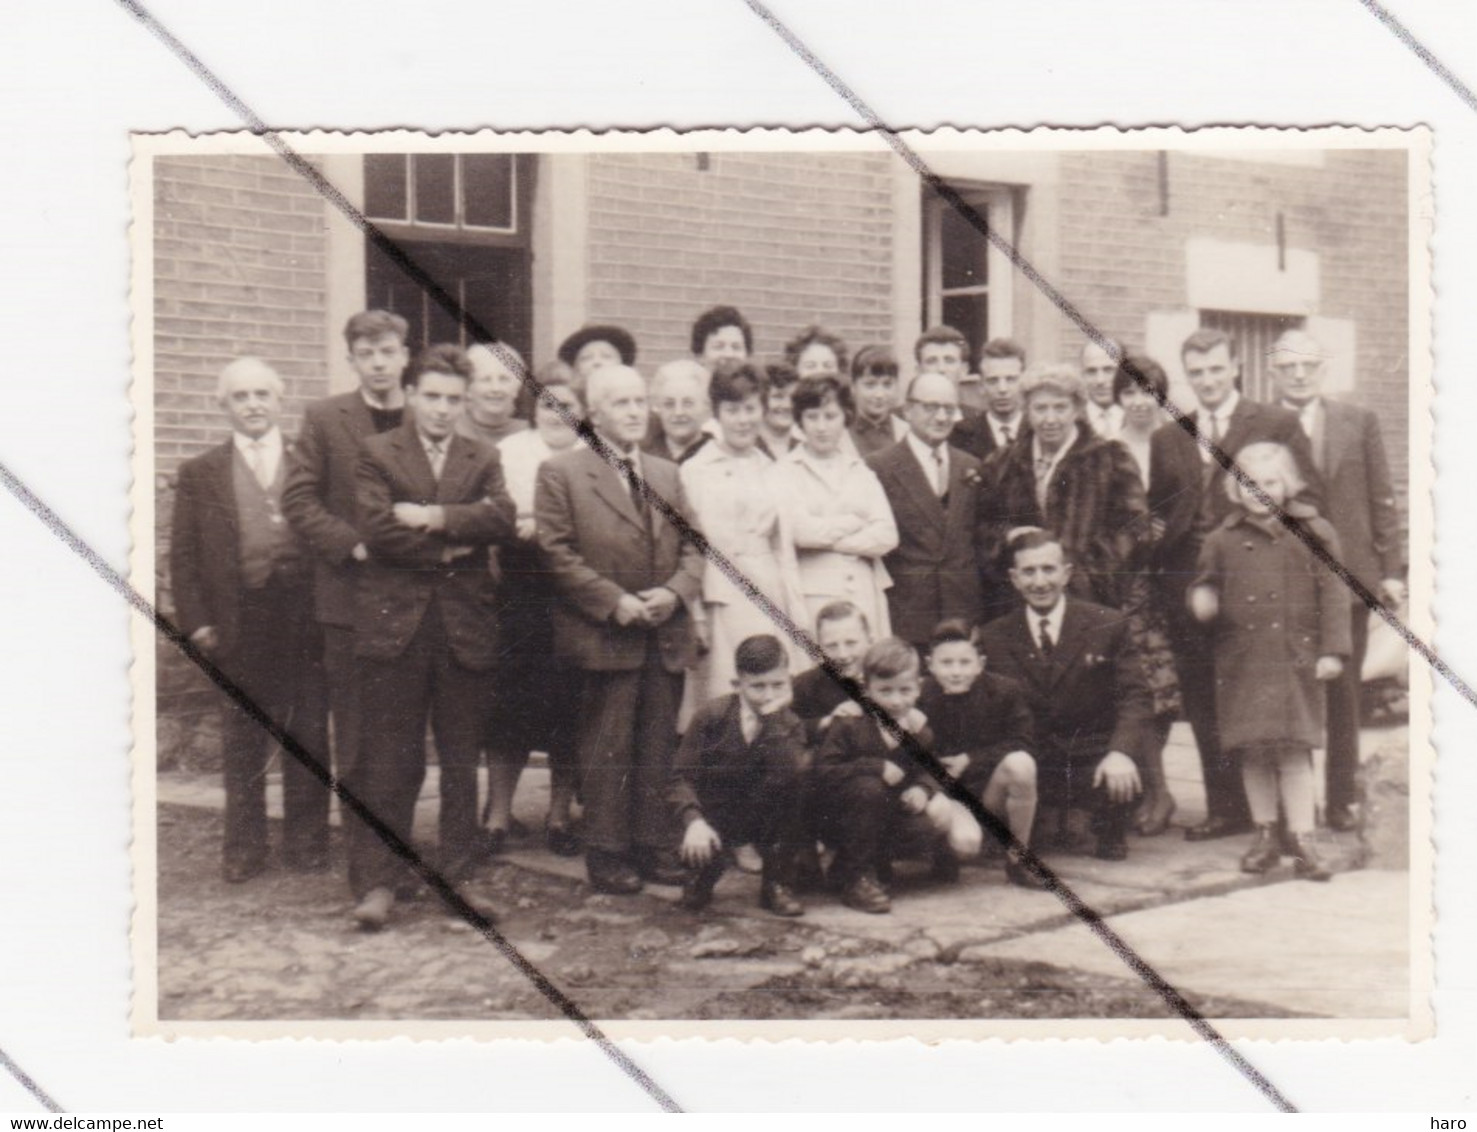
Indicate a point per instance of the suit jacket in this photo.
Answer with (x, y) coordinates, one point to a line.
(409, 569)
(973, 435)
(598, 548)
(715, 769)
(934, 568)
(318, 498)
(1090, 697)
(204, 545)
(853, 747)
(1360, 496)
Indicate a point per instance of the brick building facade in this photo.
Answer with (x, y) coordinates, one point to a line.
(249, 259)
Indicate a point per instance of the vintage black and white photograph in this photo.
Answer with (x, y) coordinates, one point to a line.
(737, 584)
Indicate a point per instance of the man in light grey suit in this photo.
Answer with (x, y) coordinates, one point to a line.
(1360, 503)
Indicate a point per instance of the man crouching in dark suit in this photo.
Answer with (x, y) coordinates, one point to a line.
(429, 504)
(243, 594)
(1086, 687)
(624, 574)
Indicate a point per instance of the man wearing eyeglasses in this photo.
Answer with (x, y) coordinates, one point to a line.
(1350, 453)
(932, 488)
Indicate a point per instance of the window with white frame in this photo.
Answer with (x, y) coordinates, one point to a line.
(966, 277)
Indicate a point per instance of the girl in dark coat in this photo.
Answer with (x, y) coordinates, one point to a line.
(1281, 631)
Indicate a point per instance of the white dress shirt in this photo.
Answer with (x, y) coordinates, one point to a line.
(933, 461)
(998, 428)
(1106, 420)
(1215, 423)
(262, 455)
(1053, 619)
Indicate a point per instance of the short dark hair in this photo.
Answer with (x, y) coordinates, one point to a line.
(874, 360)
(1033, 538)
(1142, 372)
(840, 611)
(734, 381)
(759, 654)
(444, 357)
(942, 336)
(375, 324)
(816, 335)
(779, 376)
(1206, 339)
(888, 658)
(814, 392)
(949, 631)
(1003, 348)
(715, 319)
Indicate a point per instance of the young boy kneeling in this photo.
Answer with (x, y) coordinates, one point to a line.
(983, 735)
(737, 780)
(872, 798)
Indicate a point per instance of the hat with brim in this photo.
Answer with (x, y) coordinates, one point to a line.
(624, 344)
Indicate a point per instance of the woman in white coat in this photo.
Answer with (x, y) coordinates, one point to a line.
(840, 516)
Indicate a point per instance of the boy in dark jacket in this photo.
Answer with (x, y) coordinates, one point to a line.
(737, 780)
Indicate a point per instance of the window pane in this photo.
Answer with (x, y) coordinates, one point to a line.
(435, 199)
(487, 190)
(969, 314)
(384, 186)
(965, 251)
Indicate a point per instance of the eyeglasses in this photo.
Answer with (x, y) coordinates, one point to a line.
(935, 408)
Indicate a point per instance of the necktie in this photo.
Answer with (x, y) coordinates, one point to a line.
(1005, 437)
(748, 726)
(1047, 644)
(436, 453)
(1043, 481)
(1210, 426)
(256, 460)
(940, 475)
(628, 473)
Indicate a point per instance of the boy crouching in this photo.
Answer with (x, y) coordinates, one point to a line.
(737, 780)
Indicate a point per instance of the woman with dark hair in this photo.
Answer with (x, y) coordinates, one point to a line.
(777, 425)
(816, 352)
(874, 386)
(720, 333)
(734, 495)
(535, 692)
(840, 516)
(592, 346)
(1140, 385)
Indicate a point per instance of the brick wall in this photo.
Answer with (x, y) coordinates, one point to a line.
(787, 238)
(239, 268)
(1120, 258)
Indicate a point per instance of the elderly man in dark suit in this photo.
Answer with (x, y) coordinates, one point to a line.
(1230, 422)
(1360, 503)
(242, 594)
(1087, 690)
(319, 499)
(932, 488)
(625, 575)
(430, 502)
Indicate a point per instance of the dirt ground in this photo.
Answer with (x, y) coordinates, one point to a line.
(283, 947)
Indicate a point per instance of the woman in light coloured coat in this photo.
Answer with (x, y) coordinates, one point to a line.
(734, 494)
(840, 516)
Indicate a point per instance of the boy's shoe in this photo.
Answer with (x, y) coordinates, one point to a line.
(659, 866)
(866, 895)
(1017, 874)
(775, 897)
(562, 841)
(747, 858)
(611, 873)
(1077, 836)
(373, 912)
(1111, 847)
(697, 888)
(945, 867)
(1306, 864)
(1265, 852)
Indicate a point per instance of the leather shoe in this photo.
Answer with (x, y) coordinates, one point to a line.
(1213, 828)
(1153, 818)
(697, 889)
(1265, 852)
(1017, 874)
(373, 912)
(238, 872)
(1306, 864)
(866, 895)
(612, 874)
(660, 866)
(562, 841)
(1343, 819)
(775, 897)
(1111, 847)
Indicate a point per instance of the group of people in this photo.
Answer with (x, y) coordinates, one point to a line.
(799, 616)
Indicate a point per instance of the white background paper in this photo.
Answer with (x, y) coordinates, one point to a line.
(77, 75)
